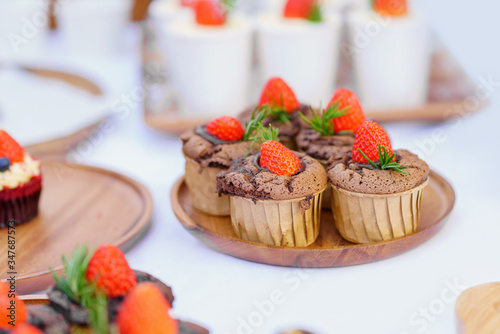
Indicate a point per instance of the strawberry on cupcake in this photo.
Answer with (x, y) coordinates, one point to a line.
(20, 183)
(212, 148)
(331, 131)
(285, 108)
(275, 194)
(376, 191)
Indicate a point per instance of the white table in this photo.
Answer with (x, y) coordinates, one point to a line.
(406, 294)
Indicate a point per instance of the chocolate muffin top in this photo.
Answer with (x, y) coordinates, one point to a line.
(348, 175)
(245, 178)
(210, 151)
(286, 129)
(323, 147)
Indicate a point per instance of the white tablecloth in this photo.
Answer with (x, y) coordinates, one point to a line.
(411, 293)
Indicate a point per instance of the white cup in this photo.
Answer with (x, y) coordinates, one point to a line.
(93, 27)
(162, 12)
(23, 29)
(303, 53)
(391, 57)
(210, 66)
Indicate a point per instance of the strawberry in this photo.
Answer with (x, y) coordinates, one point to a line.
(278, 95)
(344, 99)
(225, 128)
(9, 148)
(7, 304)
(391, 7)
(209, 13)
(372, 145)
(304, 9)
(146, 310)
(26, 329)
(109, 268)
(278, 159)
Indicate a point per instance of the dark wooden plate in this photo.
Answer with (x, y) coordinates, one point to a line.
(329, 250)
(79, 204)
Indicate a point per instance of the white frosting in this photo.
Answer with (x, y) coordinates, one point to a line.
(20, 173)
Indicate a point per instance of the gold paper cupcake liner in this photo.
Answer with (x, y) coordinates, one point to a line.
(365, 218)
(202, 187)
(327, 194)
(278, 223)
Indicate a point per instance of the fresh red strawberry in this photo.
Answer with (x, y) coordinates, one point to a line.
(9, 148)
(298, 8)
(26, 329)
(225, 128)
(188, 3)
(146, 310)
(6, 299)
(368, 138)
(278, 95)
(109, 268)
(209, 13)
(354, 117)
(278, 159)
(391, 7)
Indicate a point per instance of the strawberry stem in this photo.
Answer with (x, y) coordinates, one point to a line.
(385, 160)
(316, 14)
(321, 121)
(258, 115)
(76, 286)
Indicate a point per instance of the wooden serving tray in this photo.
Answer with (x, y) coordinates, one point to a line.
(61, 146)
(449, 88)
(79, 205)
(329, 250)
(478, 310)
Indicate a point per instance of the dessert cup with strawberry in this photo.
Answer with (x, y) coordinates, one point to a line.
(376, 191)
(210, 149)
(97, 293)
(209, 60)
(20, 183)
(391, 67)
(284, 107)
(301, 46)
(331, 131)
(275, 195)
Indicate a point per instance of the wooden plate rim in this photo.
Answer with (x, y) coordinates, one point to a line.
(188, 223)
(140, 227)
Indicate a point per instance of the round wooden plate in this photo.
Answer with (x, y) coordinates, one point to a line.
(79, 205)
(329, 250)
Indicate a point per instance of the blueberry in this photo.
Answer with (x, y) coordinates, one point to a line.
(4, 164)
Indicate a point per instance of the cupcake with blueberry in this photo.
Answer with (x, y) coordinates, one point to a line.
(376, 191)
(211, 148)
(285, 108)
(331, 131)
(20, 183)
(275, 194)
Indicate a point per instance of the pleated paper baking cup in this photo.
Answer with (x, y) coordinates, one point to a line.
(327, 194)
(202, 185)
(365, 218)
(278, 223)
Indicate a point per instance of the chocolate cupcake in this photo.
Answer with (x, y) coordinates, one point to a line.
(331, 131)
(285, 108)
(376, 192)
(275, 196)
(210, 149)
(20, 183)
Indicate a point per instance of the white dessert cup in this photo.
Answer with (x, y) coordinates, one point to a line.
(24, 28)
(93, 27)
(162, 12)
(391, 58)
(210, 66)
(303, 53)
